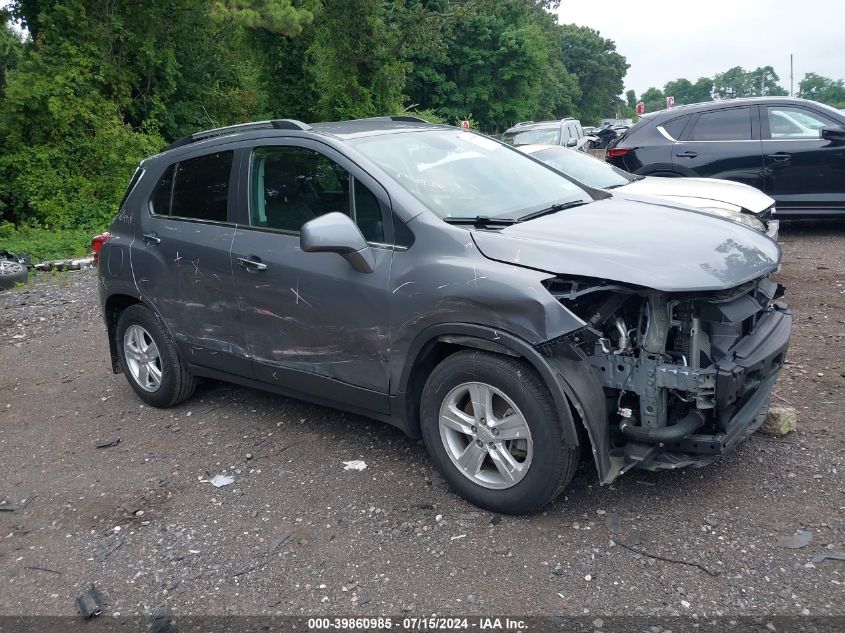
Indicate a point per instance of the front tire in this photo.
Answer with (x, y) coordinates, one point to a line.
(492, 430)
(149, 359)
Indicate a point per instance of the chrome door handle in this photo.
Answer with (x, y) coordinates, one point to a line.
(251, 264)
(780, 157)
(151, 238)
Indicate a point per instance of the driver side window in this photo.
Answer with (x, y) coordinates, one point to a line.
(293, 185)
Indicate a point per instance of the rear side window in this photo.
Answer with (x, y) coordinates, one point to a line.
(676, 126)
(723, 125)
(160, 200)
(201, 187)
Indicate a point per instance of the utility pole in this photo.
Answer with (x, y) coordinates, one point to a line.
(791, 91)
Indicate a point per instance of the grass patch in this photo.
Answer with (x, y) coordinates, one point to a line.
(41, 244)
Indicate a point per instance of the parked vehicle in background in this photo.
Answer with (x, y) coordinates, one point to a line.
(730, 200)
(450, 285)
(590, 130)
(566, 132)
(791, 149)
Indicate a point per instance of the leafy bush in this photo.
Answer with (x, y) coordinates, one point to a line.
(44, 244)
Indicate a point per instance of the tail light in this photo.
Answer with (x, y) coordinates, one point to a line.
(617, 152)
(97, 244)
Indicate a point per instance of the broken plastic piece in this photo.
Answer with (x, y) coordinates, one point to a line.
(89, 603)
(218, 481)
(114, 441)
(355, 464)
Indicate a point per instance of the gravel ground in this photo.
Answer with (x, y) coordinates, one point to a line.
(297, 534)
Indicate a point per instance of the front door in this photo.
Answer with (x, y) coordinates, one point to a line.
(313, 324)
(722, 144)
(181, 261)
(803, 171)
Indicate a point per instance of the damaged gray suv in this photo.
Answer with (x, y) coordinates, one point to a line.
(447, 284)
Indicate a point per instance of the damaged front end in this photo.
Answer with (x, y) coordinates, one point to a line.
(684, 377)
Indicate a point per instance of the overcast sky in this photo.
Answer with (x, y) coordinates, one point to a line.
(667, 39)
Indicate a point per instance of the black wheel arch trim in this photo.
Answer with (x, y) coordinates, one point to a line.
(490, 339)
(657, 168)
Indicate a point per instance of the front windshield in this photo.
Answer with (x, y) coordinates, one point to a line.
(542, 136)
(583, 167)
(463, 174)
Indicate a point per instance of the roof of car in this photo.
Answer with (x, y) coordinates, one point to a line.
(529, 125)
(706, 105)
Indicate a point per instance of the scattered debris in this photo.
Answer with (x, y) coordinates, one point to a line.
(613, 523)
(459, 536)
(355, 464)
(819, 558)
(6, 507)
(114, 441)
(52, 571)
(670, 560)
(111, 549)
(780, 421)
(798, 540)
(276, 543)
(472, 599)
(89, 603)
(218, 481)
(65, 264)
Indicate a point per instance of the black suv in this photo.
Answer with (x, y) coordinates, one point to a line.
(448, 284)
(792, 149)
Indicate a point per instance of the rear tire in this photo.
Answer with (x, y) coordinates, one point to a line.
(517, 475)
(149, 359)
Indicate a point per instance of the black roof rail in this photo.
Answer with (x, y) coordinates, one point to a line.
(274, 124)
(408, 118)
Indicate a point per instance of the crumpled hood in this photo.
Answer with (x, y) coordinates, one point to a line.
(697, 191)
(666, 248)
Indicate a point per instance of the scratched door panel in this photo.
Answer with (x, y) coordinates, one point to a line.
(183, 264)
(312, 313)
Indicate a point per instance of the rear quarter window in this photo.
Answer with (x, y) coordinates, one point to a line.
(675, 127)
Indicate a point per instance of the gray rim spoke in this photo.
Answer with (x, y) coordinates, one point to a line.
(457, 420)
(507, 466)
(472, 458)
(481, 396)
(512, 427)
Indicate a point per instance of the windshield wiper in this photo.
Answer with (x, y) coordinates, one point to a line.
(480, 221)
(553, 209)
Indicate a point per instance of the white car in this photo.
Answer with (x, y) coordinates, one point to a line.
(731, 200)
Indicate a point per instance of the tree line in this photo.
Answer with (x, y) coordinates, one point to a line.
(90, 87)
(737, 82)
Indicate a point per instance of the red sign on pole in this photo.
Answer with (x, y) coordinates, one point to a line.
(640, 108)
(465, 124)
(670, 102)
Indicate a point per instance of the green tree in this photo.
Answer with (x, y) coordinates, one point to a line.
(653, 99)
(822, 89)
(11, 48)
(599, 68)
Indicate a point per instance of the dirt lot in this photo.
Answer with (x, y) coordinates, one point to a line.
(297, 534)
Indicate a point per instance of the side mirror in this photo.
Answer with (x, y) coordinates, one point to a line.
(337, 233)
(833, 133)
(572, 142)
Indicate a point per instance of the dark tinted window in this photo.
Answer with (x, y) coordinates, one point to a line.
(723, 125)
(160, 200)
(292, 185)
(676, 126)
(201, 187)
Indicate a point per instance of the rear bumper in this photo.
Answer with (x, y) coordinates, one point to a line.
(744, 383)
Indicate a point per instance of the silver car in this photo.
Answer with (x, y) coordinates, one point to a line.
(732, 200)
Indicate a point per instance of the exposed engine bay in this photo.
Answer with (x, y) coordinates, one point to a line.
(685, 376)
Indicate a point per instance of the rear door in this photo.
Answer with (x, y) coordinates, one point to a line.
(803, 171)
(181, 259)
(723, 143)
(313, 324)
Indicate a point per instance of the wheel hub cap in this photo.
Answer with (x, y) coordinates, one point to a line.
(485, 435)
(142, 358)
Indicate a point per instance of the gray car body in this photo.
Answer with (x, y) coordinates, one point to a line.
(312, 327)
